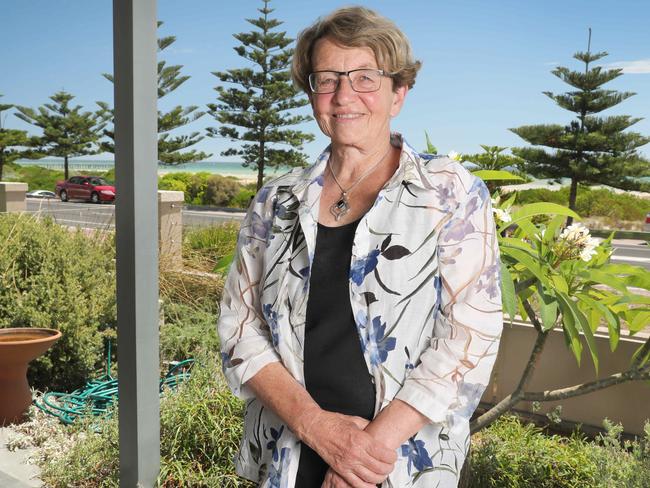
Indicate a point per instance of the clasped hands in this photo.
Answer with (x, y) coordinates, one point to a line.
(356, 458)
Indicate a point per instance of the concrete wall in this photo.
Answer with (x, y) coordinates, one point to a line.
(12, 197)
(170, 227)
(628, 403)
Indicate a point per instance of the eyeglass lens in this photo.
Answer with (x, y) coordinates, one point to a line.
(362, 80)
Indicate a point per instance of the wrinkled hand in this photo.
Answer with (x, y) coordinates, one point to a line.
(334, 480)
(356, 458)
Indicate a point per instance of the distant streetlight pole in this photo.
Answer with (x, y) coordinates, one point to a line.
(134, 51)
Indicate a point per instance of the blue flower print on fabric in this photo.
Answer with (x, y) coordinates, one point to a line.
(417, 455)
(362, 267)
(273, 443)
(490, 281)
(278, 476)
(479, 187)
(271, 317)
(259, 227)
(263, 194)
(469, 395)
(377, 346)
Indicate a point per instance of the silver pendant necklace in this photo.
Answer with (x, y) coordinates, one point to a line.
(342, 206)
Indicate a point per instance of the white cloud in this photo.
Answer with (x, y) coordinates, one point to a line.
(640, 66)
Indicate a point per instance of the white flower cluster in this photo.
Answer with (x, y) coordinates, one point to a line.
(577, 236)
(502, 214)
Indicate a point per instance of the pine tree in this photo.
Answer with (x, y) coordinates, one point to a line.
(67, 132)
(257, 111)
(591, 149)
(15, 144)
(171, 148)
(492, 159)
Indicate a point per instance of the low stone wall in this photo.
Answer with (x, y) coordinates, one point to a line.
(628, 403)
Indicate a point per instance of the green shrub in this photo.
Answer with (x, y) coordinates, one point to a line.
(592, 203)
(36, 177)
(51, 277)
(201, 424)
(509, 454)
(242, 199)
(220, 190)
(187, 332)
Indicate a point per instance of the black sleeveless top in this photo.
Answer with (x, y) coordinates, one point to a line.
(336, 375)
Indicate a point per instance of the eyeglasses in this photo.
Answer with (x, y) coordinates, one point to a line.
(362, 80)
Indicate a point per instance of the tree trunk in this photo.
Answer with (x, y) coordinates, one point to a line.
(260, 167)
(65, 167)
(573, 194)
(465, 472)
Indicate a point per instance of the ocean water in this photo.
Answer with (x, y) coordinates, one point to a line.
(213, 167)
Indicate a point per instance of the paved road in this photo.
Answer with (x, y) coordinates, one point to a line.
(101, 216)
(88, 215)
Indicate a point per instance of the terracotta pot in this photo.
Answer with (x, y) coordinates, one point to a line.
(19, 346)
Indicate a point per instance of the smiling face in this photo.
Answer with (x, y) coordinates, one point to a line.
(348, 118)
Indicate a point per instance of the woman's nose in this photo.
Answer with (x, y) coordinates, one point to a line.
(344, 91)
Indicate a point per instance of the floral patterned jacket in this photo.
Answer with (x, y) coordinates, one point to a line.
(424, 289)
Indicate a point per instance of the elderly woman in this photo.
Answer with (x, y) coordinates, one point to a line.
(362, 314)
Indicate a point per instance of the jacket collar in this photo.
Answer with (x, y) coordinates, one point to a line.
(411, 169)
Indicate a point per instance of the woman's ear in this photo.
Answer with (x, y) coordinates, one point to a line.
(399, 95)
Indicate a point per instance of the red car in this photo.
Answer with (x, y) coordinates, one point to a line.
(90, 188)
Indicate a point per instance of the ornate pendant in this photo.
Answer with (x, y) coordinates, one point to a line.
(341, 207)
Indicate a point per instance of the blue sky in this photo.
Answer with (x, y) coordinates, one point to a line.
(485, 63)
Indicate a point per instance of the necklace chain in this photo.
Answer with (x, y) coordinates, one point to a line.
(342, 205)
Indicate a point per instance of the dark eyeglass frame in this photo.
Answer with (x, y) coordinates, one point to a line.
(311, 80)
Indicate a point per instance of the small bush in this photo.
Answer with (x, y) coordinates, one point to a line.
(187, 332)
(509, 454)
(220, 190)
(53, 278)
(242, 199)
(202, 188)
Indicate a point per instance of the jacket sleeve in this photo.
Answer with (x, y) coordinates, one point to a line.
(246, 343)
(448, 382)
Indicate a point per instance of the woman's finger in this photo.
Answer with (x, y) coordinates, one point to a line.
(355, 482)
(380, 452)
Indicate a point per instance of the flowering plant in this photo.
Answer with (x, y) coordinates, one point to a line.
(557, 277)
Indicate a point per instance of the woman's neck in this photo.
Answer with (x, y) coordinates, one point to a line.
(350, 163)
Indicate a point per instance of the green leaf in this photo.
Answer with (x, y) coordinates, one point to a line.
(552, 227)
(571, 336)
(493, 175)
(548, 308)
(223, 265)
(560, 283)
(581, 323)
(508, 295)
(539, 208)
(640, 321)
(613, 322)
(431, 149)
(602, 277)
(528, 261)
